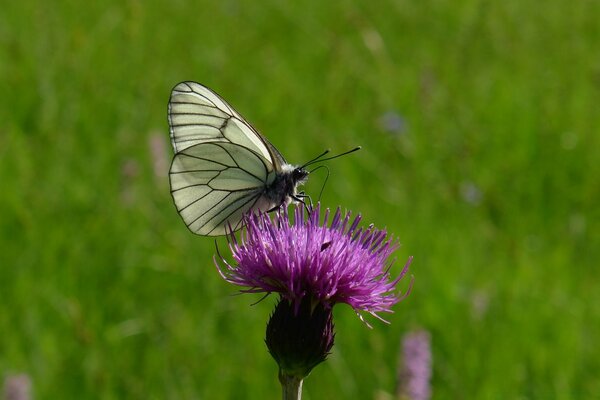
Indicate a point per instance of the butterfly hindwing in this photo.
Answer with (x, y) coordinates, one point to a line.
(214, 184)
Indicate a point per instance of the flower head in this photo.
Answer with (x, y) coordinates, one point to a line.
(325, 263)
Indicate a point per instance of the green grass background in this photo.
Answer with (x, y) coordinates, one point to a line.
(492, 184)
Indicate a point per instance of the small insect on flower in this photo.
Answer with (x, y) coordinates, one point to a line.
(324, 263)
(222, 166)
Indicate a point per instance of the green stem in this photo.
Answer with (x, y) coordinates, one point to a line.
(291, 386)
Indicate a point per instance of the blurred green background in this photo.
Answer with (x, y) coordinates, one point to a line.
(479, 126)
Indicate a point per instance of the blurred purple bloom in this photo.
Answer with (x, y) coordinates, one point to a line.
(158, 150)
(416, 366)
(17, 387)
(470, 193)
(392, 122)
(339, 263)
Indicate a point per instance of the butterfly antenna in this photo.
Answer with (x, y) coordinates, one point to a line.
(319, 159)
(315, 159)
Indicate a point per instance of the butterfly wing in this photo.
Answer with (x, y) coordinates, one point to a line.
(199, 115)
(213, 184)
(222, 165)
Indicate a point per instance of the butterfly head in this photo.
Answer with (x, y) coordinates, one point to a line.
(291, 177)
(299, 175)
(284, 187)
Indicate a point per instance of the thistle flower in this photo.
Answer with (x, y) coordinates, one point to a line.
(339, 263)
(312, 267)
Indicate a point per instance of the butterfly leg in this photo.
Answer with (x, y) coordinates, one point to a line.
(301, 198)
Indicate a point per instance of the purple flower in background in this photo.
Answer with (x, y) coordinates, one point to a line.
(415, 372)
(17, 387)
(392, 122)
(303, 259)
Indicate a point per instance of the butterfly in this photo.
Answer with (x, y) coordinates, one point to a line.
(223, 168)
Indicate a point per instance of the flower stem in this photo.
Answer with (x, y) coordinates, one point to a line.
(291, 386)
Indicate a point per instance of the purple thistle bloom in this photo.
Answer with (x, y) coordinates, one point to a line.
(339, 263)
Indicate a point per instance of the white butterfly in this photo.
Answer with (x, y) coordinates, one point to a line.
(222, 166)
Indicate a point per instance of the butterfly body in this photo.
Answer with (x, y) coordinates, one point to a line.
(222, 168)
(283, 190)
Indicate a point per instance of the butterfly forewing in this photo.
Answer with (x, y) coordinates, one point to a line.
(198, 115)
